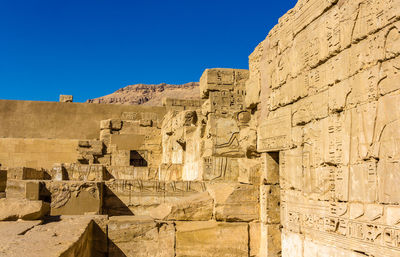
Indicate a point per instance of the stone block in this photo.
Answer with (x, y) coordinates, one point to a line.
(310, 108)
(364, 183)
(221, 79)
(140, 236)
(235, 202)
(116, 124)
(141, 197)
(83, 172)
(105, 124)
(270, 204)
(23, 173)
(270, 240)
(170, 172)
(14, 209)
(274, 132)
(270, 172)
(59, 172)
(292, 244)
(389, 76)
(250, 171)
(74, 197)
(23, 189)
(66, 98)
(255, 239)
(196, 207)
(210, 238)
(220, 168)
(291, 169)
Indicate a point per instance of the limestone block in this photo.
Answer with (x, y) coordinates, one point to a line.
(316, 143)
(24, 173)
(392, 215)
(364, 182)
(310, 108)
(197, 207)
(221, 79)
(23, 189)
(364, 87)
(59, 172)
(105, 124)
(373, 212)
(220, 168)
(292, 244)
(270, 243)
(337, 138)
(210, 238)
(140, 197)
(116, 124)
(140, 236)
(129, 172)
(74, 198)
(338, 95)
(362, 131)
(289, 92)
(291, 169)
(253, 84)
(389, 76)
(313, 248)
(270, 204)
(120, 158)
(249, 171)
(235, 202)
(254, 239)
(392, 41)
(274, 133)
(145, 123)
(225, 135)
(388, 179)
(170, 172)
(82, 172)
(66, 98)
(14, 209)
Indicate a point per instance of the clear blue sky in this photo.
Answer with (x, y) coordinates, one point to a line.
(90, 48)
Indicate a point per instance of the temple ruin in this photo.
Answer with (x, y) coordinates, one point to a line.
(299, 156)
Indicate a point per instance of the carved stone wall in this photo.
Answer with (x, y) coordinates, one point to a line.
(326, 89)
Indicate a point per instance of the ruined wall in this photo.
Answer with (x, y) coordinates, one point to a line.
(29, 119)
(324, 86)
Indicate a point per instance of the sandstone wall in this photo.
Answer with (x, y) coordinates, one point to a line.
(325, 88)
(29, 119)
(36, 153)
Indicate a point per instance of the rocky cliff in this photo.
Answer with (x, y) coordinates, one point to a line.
(149, 94)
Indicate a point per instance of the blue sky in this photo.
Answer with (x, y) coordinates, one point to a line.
(90, 48)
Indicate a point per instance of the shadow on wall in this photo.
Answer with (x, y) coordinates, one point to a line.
(112, 205)
(102, 245)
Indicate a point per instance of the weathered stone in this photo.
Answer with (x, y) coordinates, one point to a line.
(140, 236)
(249, 171)
(23, 173)
(66, 98)
(14, 209)
(210, 238)
(235, 202)
(74, 198)
(23, 189)
(196, 207)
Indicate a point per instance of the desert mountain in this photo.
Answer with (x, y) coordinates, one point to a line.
(149, 94)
